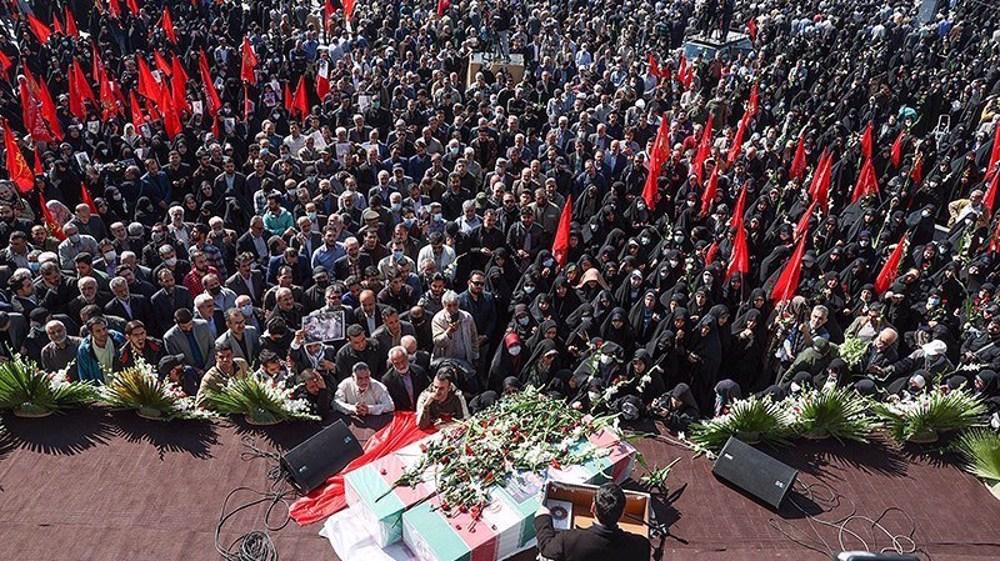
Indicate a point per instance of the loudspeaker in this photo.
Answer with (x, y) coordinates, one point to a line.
(754, 472)
(325, 453)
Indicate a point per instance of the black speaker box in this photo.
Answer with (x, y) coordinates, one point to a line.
(325, 453)
(754, 472)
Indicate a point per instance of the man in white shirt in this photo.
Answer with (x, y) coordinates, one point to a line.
(360, 395)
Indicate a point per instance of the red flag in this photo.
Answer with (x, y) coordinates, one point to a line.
(85, 197)
(215, 127)
(48, 106)
(708, 196)
(76, 107)
(711, 253)
(820, 187)
(890, 270)
(867, 140)
(133, 7)
(328, 11)
(798, 168)
(162, 65)
(654, 68)
(704, 149)
(300, 104)
(71, 28)
(56, 26)
(803, 226)
(171, 113)
(753, 105)
(148, 87)
(917, 173)
(96, 65)
(17, 167)
(50, 221)
(31, 113)
(289, 99)
(994, 153)
(560, 245)
(213, 102)
(867, 182)
(658, 155)
(39, 29)
(740, 209)
(990, 200)
(178, 85)
(114, 8)
(168, 26)
(322, 82)
(138, 119)
(739, 260)
(348, 10)
(5, 64)
(897, 149)
(752, 28)
(249, 63)
(442, 7)
(109, 103)
(682, 70)
(734, 150)
(76, 73)
(788, 281)
(38, 169)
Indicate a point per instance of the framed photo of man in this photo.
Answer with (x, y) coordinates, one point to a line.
(324, 326)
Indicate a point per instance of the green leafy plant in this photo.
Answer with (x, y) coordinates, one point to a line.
(751, 420)
(981, 450)
(852, 351)
(922, 418)
(833, 412)
(139, 389)
(29, 392)
(656, 477)
(258, 401)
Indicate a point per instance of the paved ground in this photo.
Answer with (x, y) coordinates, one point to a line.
(100, 486)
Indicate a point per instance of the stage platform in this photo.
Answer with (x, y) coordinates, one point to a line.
(98, 486)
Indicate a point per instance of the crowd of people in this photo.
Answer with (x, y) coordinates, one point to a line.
(302, 166)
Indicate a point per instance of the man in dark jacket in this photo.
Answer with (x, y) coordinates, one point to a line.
(602, 541)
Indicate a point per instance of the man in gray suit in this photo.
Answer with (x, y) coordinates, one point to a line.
(243, 339)
(191, 338)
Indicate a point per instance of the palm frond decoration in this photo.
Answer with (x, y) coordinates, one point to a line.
(139, 388)
(922, 418)
(27, 391)
(259, 401)
(751, 420)
(835, 412)
(980, 449)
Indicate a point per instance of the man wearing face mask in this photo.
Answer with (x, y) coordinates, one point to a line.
(75, 244)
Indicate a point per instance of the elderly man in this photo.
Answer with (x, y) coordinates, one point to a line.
(360, 395)
(61, 350)
(309, 353)
(126, 305)
(454, 331)
(405, 381)
(75, 244)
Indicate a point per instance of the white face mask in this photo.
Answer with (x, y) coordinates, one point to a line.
(109, 256)
(593, 396)
(606, 359)
(514, 351)
(171, 261)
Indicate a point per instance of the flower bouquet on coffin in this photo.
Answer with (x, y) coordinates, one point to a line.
(922, 418)
(526, 432)
(752, 420)
(835, 412)
(260, 402)
(852, 352)
(980, 449)
(27, 391)
(138, 388)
